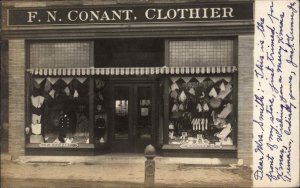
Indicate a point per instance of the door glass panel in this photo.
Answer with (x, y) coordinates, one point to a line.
(143, 127)
(121, 112)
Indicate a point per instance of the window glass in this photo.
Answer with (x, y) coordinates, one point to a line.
(59, 54)
(121, 112)
(197, 53)
(59, 111)
(201, 112)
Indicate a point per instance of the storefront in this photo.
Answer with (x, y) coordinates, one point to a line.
(115, 78)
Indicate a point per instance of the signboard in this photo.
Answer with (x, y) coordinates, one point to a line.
(203, 12)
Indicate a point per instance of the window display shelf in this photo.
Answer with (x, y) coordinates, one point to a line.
(177, 147)
(52, 146)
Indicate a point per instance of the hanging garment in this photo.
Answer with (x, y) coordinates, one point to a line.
(222, 86)
(35, 119)
(82, 126)
(223, 94)
(52, 93)
(182, 96)
(175, 108)
(199, 107)
(174, 94)
(226, 111)
(206, 123)
(181, 107)
(36, 128)
(205, 107)
(67, 91)
(174, 86)
(101, 140)
(100, 97)
(47, 86)
(99, 84)
(37, 101)
(198, 124)
(192, 91)
(99, 128)
(194, 123)
(75, 94)
(213, 93)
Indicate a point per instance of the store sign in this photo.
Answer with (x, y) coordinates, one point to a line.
(58, 145)
(130, 14)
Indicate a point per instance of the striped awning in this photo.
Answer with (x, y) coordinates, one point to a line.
(130, 71)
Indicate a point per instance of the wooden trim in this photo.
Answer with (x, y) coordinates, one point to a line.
(172, 30)
(167, 54)
(91, 110)
(91, 55)
(235, 91)
(27, 84)
(166, 111)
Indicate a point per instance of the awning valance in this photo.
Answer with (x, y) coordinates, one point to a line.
(130, 71)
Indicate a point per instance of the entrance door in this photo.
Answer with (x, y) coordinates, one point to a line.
(133, 117)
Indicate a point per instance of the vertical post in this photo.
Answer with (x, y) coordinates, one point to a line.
(149, 166)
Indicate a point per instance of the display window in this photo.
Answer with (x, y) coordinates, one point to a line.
(100, 108)
(201, 112)
(59, 111)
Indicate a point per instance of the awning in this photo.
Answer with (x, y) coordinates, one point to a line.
(130, 71)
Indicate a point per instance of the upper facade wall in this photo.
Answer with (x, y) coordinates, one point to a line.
(125, 18)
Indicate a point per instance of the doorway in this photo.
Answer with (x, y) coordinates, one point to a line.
(133, 116)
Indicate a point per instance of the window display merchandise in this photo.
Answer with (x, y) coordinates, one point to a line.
(100, 129)
(59, 110)
(201, 112)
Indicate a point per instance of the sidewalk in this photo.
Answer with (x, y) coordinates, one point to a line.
(119, 171)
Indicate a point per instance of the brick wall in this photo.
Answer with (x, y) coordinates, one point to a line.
(16, 101)
(245, 90)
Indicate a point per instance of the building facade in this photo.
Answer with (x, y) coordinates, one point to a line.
(93, 77)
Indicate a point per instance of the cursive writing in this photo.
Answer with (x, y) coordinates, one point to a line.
(276, 79)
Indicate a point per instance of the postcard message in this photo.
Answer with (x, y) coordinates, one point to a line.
(276, 94)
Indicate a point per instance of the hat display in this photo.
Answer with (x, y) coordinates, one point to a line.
(215, 102)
